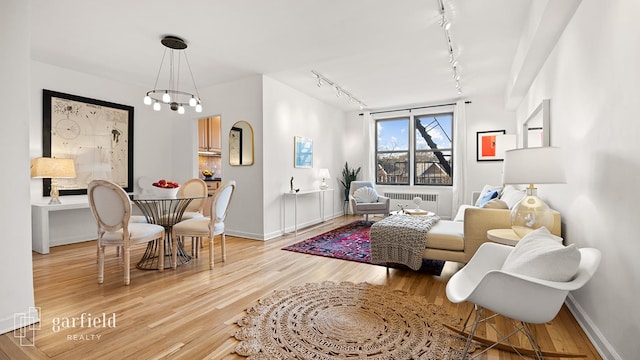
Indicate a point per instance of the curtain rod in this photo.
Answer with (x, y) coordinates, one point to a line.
(415, 108)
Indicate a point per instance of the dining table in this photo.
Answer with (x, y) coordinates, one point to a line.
(165, 211)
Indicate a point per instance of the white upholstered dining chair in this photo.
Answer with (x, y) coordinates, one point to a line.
(194, 187)
(111, 208)
(207, 227)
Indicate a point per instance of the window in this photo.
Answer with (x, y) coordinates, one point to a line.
(429, 151)
(392, 151)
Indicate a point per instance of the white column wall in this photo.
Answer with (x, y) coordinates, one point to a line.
(592, 82)
(16, 282)
(289, 113)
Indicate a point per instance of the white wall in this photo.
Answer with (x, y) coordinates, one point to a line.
(485, 113)
(592, 81)
(16, 282)
(236, 101)
(154, 132)
(289, 113)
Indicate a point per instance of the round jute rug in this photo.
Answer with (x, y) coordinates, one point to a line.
(345, 320)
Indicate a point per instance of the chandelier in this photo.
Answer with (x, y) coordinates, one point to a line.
(173, 96)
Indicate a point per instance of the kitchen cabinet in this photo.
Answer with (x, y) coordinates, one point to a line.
(209, 140)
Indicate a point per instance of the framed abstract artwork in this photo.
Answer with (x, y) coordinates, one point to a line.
(486, 145)
(303, 152)
(96, 134)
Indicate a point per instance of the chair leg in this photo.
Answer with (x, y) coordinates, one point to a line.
(126, 254)
(211, 252)
(366, 217)
(100, 264)
(532, 340)
(161, 254)
(223, 247)
(174, 251)
(472, 332)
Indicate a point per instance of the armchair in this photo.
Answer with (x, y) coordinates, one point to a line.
(525, 299)
(377, 204)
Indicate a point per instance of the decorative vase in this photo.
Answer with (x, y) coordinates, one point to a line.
(208, 177)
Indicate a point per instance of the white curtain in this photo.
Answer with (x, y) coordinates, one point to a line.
(368, 166)
(459, 157)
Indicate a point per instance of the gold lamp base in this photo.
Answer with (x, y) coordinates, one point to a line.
(54, 193)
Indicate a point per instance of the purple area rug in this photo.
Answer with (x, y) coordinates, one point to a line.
(351, 242)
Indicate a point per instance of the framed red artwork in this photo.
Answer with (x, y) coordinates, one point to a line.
(486, 145)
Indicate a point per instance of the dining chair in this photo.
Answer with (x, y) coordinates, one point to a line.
(194, 187)
(207, 227)
(111, 208)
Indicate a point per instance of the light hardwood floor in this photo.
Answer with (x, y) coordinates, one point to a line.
(190, 313)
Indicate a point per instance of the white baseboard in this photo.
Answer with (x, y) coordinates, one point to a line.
(601, 344)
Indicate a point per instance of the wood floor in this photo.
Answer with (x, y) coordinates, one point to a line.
(190, 313)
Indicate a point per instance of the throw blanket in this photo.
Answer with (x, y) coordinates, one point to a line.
(400, 239)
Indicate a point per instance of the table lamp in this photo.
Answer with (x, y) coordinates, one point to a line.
(54, 168)
(542, 165)
(324, 174)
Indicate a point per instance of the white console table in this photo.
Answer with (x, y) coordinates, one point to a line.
(66, 223)
(295, 195)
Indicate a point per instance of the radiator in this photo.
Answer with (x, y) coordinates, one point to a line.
(429, 201)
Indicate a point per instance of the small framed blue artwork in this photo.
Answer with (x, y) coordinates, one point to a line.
(303, 152)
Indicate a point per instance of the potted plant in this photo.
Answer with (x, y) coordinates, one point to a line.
(348, 175)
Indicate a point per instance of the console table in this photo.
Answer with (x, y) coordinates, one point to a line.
(74, 220)
(295, 195)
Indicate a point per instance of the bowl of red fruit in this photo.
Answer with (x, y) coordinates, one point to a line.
(165, 188)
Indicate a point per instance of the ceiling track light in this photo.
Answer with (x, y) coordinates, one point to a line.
(173, 96)
(446, 25)
(339, 90)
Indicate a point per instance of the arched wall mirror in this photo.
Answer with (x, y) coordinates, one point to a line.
(535, 131)
(241, 144)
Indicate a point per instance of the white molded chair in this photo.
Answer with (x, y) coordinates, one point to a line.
(382, 206)
(519, 297)
(111, 208)
(194, 187)
(208, 227)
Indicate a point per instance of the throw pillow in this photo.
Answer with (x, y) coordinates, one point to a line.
(541, 255)
(486, 189)
(495, 204)
(512, 195)
(486, 197)
(365, 195)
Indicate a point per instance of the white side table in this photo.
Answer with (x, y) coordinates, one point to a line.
(295, 195)
(503, 236)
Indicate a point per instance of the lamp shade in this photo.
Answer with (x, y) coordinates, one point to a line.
(52, 168)
(542, 165)
(324, 173)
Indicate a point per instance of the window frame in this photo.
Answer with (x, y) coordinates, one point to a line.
(413, 151)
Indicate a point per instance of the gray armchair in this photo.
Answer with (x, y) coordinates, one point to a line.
(380, 206)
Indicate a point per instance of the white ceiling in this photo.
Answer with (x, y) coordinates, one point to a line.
(386, 53)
